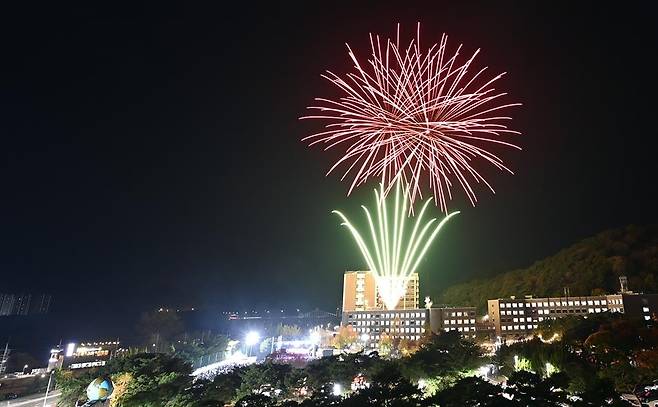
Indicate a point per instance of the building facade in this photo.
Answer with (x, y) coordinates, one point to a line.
(360, 292)
(460, 319)
(519, 317)
(373, 324)
(410, 323)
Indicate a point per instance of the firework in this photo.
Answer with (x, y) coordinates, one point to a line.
(390, 252)
(424, 117)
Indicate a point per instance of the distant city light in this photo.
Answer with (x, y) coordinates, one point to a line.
(337, 389)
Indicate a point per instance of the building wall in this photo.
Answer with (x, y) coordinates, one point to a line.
(520, 317)
(359, 291)
(460, 319)
(406, 324)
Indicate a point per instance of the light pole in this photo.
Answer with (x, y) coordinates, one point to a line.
(50, 379)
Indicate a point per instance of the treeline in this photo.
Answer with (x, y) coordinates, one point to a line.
(590, 267)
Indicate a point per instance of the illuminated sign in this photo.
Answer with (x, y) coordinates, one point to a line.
(87, 364)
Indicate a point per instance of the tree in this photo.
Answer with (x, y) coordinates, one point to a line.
(472, 391)
(288, 331)
(345, 337)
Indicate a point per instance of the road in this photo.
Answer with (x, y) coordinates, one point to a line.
(35, 400)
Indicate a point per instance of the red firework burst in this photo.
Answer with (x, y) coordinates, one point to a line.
(415, 116)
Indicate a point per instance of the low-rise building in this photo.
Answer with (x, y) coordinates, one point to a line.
(519, 317)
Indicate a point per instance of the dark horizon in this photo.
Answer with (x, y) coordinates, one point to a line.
(153, 156)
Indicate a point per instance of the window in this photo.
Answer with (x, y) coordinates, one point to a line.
(541, 319)
(577, 302)
(504, 328)
(590, 310)
(545, 304)
(597, 302)
(570, 303)
(646, 317)
(515, 312)
(448, 329)
(472, 321)
(516, 327)
(645, 309)
(521, 312)
(514, 305)
(516, 320)
(552, 304)
(590, 302)
(528, 319)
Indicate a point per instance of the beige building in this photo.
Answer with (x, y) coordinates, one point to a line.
(360, 292)
(519, 317)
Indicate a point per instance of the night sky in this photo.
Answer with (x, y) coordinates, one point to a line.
(151, 156)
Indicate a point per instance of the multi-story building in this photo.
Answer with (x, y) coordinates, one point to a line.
(410, 324)
(460, 319)
(360, 292)
(373, 324)
(515, 317)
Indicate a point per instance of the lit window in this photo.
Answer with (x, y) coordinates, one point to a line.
(577, 302)
(516, 320)
(513, 305)
(521, 312)
(504, 328)
(646, 317)
(459, 329)
(598, 310)
(515, 312)
(552, 304)
(603, 302)
(590, 310)
(516, 327)
(541, 319)
(645, 309)
(545, 304)
(472, 321)
(597, 302)
(570, 303)
(446, 329)
(466, 329)
(590, 302)
(528, 319)
(522, 326)
(564, 303)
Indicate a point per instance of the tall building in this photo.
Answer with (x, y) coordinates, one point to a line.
(360, 292)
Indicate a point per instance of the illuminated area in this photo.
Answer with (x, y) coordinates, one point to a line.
(391, 254)
(408, 113)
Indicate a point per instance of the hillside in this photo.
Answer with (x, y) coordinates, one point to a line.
(589, 267)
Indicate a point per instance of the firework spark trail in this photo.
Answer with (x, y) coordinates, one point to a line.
(392, 255)
(414, 116)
